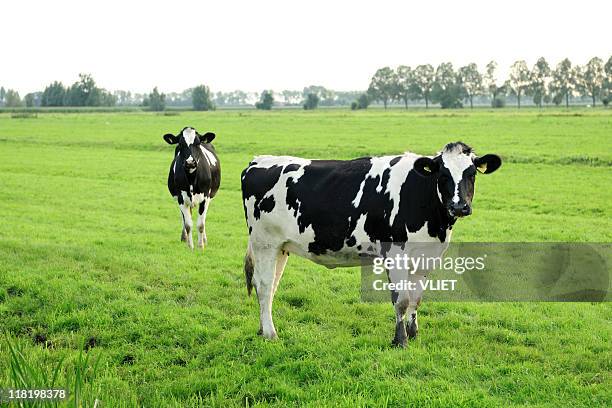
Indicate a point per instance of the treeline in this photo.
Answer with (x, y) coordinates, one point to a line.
(310, 97)
(84, 92)
(422, 84)
(452, 88)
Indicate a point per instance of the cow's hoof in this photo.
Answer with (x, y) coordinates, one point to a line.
(412, 329)
(183, 237)
(399, 343)
(270, 336)
(267, 336)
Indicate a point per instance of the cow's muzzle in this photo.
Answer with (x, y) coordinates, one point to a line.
(191, 164)
(459, 210)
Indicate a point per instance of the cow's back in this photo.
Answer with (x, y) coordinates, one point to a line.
(326, 209)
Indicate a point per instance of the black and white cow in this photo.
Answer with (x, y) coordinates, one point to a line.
(328, 210)
(195, 175)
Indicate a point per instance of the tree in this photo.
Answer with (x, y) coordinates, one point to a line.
(519, 79)
(561, 85)
(237, 97)
(471, 80)
(577, 81)
(54, 95)
(383, 86)
(12, 99)
(423, 82)
(2, 95)
(361, 103)
(155, 101)
(311, 102)
(32, 99)
(220, 98)
(84, 92)
(491, 86)
(539, 79)
(447, 89)
(73, 96)
(266, 100)
(607, 84)
(404, 84)
(106, 98)
(200, 97)
(292, 98)
(593, 78)
(124, 98)
(326, 96)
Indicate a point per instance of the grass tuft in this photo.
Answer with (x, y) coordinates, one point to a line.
(76, 377)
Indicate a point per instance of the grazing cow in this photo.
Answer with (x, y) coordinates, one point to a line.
(195, 175)
(329, 210)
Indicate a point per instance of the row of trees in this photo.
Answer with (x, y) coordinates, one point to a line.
(443, 85)
(84, 92)
(200, 99)
(450, 87)
(311, 97)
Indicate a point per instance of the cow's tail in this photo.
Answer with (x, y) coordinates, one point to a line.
(249, 266)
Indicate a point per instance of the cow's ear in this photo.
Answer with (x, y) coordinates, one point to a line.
(170, 138)
(488, 163)
(208, 137)
(426, 166)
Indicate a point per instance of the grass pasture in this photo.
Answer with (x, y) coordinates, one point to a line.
(91, 264)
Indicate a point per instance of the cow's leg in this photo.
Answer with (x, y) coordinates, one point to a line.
(203, 208)
(400, 300)
(183, 232)
(281, 262)
(401, 305)
(263, 280)
(187, 223)
(412, 325)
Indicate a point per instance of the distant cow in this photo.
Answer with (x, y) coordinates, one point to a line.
(328, 210)
(195, 175)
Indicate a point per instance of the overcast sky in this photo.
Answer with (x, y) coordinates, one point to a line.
(257, 44)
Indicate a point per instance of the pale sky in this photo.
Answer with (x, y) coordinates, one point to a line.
(270, 44)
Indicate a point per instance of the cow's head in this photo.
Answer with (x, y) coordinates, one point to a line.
(188, 152)
(454, 170)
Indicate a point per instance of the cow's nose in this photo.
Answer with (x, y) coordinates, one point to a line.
(461, 209)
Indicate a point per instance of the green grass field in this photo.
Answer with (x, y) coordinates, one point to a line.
(90, 259)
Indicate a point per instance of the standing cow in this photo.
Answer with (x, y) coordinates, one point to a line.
(328, 210)
(195, 175)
